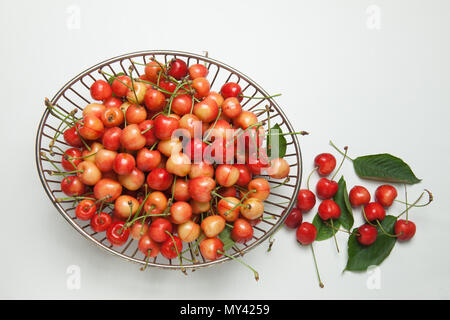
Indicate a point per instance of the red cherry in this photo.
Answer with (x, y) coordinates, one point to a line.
(195, 150)
(158, 228)
(306, 200)
(85, 209)
(182, 104)
(171, 247)
(159, 179)
(177, 69)
(210, 248)
(148, 246)
(326, 189)
(306, 233)
(101, 90)
(385, 195)
(154, 100)
(245, 175)
(359, 196)
(73, 163)
(405, 229)
(242, 231)
(329, 209)
(325, 162)
(200, 188)
(117, 234)
(367, 234)
(164, 126)
(100, 222)
(373, 211)
(72, 186)
(112, 102)
(147, 160)
(71, 136)
(294, 219)
(124, 163)
(198, 71)
(120, 85)
(111, 138)
(147, 127)
(167, 85)
(231, 89)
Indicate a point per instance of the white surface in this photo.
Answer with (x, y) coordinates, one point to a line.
(383, 90)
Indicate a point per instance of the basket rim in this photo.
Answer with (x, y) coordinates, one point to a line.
(62, 211)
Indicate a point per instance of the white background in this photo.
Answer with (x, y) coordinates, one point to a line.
(375, 90)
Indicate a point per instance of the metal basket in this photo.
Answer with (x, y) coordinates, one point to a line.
(76, 94)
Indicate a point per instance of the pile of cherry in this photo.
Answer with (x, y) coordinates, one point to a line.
(125, 156)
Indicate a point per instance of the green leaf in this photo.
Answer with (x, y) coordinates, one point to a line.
(341, 198)
(384, 167)
(111, 79)
(360, 257)
(324, 229)
(225, 237)
(276, 139)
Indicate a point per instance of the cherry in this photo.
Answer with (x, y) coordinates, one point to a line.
(169, 147)
(137, 95)
(201, 169)
(359, 196)
(124, 163)
(219, 151)
(210, 248)
(242, 231)
(201, 86)
(326, 189)
(206, 110)
(100, 222)
(159, 228)
(164, 126)
(218, 129)
(252, 208)
(373, 211)
(152, 70)
(92, 128)
(306, 233)
(306, 200)
(71, 136)
(177, 69)
(231, 107)
(159, 179)
(181, 190)
(94, 109)
(367, 234)
(91, 155)
(132, 181)
(405, 229)
(147, 131)
(72, 186)
(199, 207)
(135, 114)
(172, 247)
(154, 100)
(216, 97)
(138, 229)
(227, 175)
(178, 164)
(198, 71)
(278, 169)
(101, 90)
(112, 117)
(112, 102)
(111, 138)
(231, 89)
(200, 188)
(168, 86)
(182, 104)
(228, 208)
(148, 246)
(245, 175)
(213, 225)
(385, 195)
(180, 212)
(188, 231)
(107, 189)
(85, 209)
(245, 119)
(329, 209)
(156, 203)
(69, 155)
(260, 189)
(125, 206)
(88, 173)
(117, 234)
(104, 159)
(147, 160)
(194, 149)
(294, 219)
(120, 85)
(131, 138)
(325, 162)
(227, 192)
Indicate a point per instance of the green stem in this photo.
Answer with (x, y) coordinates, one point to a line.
(309, 177)
(334, 146)
(317, 269)
(255, 273)
(334, 235)
(340, 165)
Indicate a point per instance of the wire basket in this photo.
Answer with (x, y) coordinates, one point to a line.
(76, 94)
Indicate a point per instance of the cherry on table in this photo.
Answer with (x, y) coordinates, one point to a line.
(325, 163)
(385, 195)
(405, 229)
(306, 200)
(329, 209)
(294, 219)
(306, 233)
(374, 211)
(367, 234)
(359, 196)
(326, 189)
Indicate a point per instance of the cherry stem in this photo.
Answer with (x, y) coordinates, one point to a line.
(414, 204)
(59, 173)
(229, 201)
(44, 155)
(213, 126)
(309, 177)
(242, 132)
(100, 200)
(271, 238)
(173, 95)
(340, 165)
(283, 183)
(149, 128)
(406, 201)
(365, 217)
(256, 274)
(334, 235)
(303, 133)
(382, 230)
(147, 258)
(74, 198)
(317, 268)
(275, 95)
(342, 153)
(338, 229)
(178, 252)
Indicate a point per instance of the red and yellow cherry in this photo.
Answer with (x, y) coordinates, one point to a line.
(181, 190)
(67, 160)
(179, 164)
(177, 69)
(278, 169)
(85, 209)
(206, 110)
(294, 218)
(217, 97)
(131, 138)
(231, 107)
(257, 162)
(182, 104)
(100, 90)
(152, 71)
(201, 169)
(88, 173)
(104, 159)
(326, 189)
(156, 203)
(227, 175)
(159, 179)
(252, 208)
(192, 124)
(132, 181)
(135, 114)
(329, 209)
(195, 149)
(91, 155)
(199, 207)
(111, 138)
(228, 208)
(117, 233)
(359, 196)
(112, 117)
(231, 89)
(245, 119)
(197, 71)
(147, 160)
(227, 192)
(201, 86)
(158, 228)
(148, 246)
(71, 136)
(170, 146)
(220, 151)
(373, 211)
(137, 95)
(125, 206)
(124, 163)
(100, 221)
(121, 85)
(245, 175)
(306, 200)
(180, 212)
(188, 231)
(200, 188)
(219, 130)
(164, 126)
(146, 128)
(367, 234)
(138, 229)
(325, 163)
(154, 100)
(94, 109)
(242, 231)
(260, 189)
(172, 247)
(405, 229)
(306, 233)
(385, 195)
(72, 186)
(168, 86)
(210, 248)
(92, 128)
(112, 102)
(107, 189)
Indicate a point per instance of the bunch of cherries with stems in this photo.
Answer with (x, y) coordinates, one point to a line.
(373, 212)
(173, 161)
